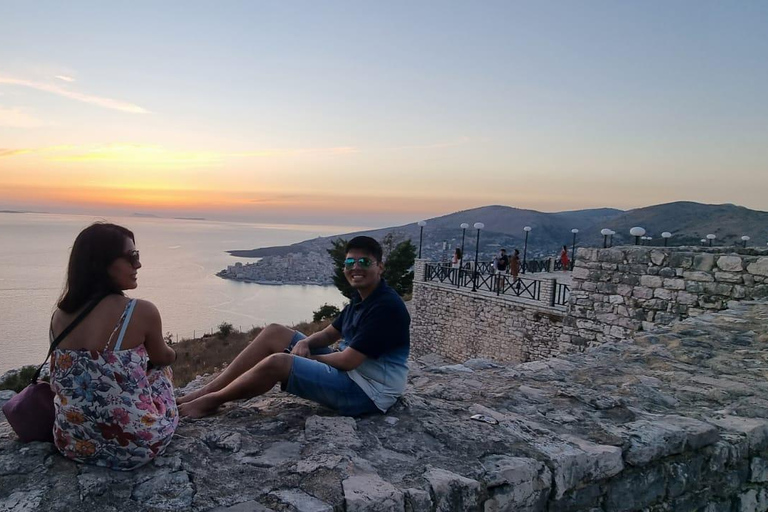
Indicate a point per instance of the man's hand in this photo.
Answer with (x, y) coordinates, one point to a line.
(301, 349)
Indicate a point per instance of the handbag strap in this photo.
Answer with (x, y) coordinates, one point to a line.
(64, 334)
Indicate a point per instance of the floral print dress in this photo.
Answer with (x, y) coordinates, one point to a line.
(111, 411)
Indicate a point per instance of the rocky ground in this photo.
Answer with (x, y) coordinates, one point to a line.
(676, 419)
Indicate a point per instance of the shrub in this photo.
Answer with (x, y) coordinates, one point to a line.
(225, 329)
(326, 312)
(18, 380)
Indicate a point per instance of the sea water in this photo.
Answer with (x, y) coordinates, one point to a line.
(179, 261)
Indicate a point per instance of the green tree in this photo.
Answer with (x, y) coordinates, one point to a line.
(338, 255)
(398, 269)
(326, 311)
(225, 329)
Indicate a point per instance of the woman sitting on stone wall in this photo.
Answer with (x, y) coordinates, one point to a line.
(111, 410)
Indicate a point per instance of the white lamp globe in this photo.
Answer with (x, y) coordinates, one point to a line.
(574, 231)
(464, 225)
(422, 223)
(745, 238)
(666, 234)
(637, 231)
(605, 231)
(527, 228)
(479, 225)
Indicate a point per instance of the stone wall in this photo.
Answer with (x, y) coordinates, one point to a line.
(621, 290)
(615, 292)
(460, 325)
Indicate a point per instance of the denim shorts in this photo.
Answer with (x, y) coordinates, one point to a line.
(325, 384)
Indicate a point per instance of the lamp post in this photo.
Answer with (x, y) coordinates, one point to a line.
(573, 247)
(421, 224)
(605, 232)
(711, 238)
(527, 230)
(637, 232)
(745, 239)
(610, 238)
(463, 227)
(478, 226)
(666, 236)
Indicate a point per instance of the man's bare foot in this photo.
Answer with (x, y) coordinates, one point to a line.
(191, 396)
(200, 407)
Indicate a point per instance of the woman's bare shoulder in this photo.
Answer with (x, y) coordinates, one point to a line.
(146, 309)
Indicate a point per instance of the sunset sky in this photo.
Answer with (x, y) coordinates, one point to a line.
(364, 113)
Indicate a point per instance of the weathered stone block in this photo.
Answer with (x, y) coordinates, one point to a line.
(674, 284)
(579, 461)
(718, 289)
(758, 267)
(730, 263)
(417, 500)
(758, 470)
(638, 255)
(369, 493)
(704, 262)
(516, 483)
(452, 491)
(580, 273)
(658, 257)
(728, 277)
(624, 290)
(755, 430)
(651, 440)
(711, 302)
(629, 279)
(667, 272)
(611, 255)
(651, 281)
(695, 275)
(642, 293)
(681, 260)
(663, 293)
(635, 490)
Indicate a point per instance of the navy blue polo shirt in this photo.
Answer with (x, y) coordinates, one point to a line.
(378, 327)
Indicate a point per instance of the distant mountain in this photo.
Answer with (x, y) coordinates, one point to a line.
(687, 221)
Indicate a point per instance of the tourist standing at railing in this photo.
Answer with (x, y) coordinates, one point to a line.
(456, 260)
(514, 265)
(564, 259)
(500, 265)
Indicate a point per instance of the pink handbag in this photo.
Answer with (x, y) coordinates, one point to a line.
(31, 413)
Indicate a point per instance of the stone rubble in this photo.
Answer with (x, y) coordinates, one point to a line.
(675, 419)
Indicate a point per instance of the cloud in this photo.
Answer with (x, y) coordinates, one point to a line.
(65, 78)
(17, 118)
(101, 101)
(12, 152)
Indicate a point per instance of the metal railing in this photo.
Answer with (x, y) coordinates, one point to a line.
(500, 284)
(560, 294)
(533, 266)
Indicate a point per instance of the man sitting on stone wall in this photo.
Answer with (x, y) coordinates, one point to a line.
(368, 372)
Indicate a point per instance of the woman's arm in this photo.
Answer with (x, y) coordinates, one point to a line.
(160, 354)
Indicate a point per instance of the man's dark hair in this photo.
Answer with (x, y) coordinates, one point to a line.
(366, 244)
(503, 250)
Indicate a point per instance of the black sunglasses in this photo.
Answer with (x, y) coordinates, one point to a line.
(364, 262)
(132, 257)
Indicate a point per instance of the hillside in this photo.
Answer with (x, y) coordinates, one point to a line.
(687, 221)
